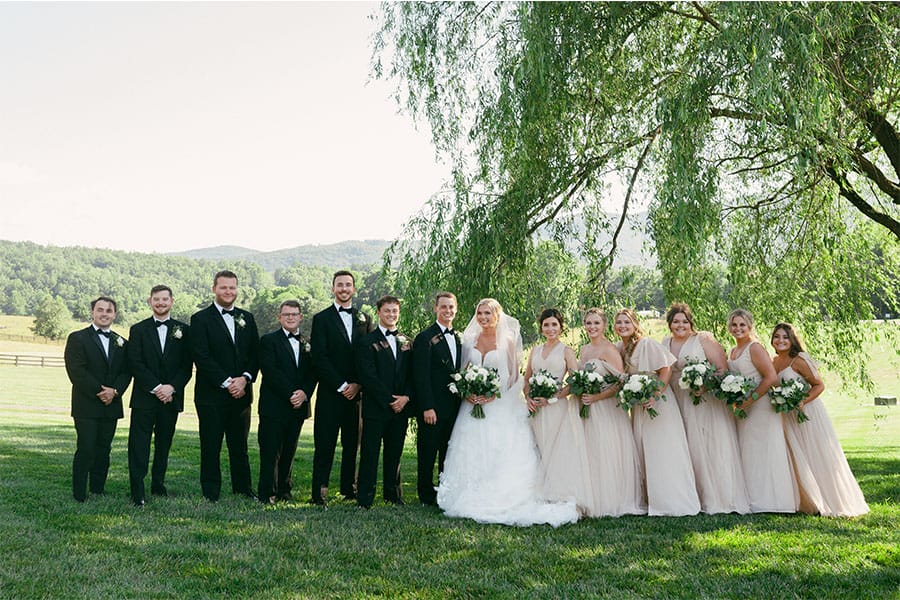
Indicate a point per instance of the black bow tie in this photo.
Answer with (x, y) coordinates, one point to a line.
(390, 332)
(346, 310)
(449, 332)
(225, 311)
(103, 333)
(162, 323)
(296, 336)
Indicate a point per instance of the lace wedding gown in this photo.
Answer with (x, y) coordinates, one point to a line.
(492, 468)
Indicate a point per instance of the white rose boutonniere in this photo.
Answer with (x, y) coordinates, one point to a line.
(361, 316)
(240, 321)
(118, 340)
(306, 347)
(177, 333)
(403, 341)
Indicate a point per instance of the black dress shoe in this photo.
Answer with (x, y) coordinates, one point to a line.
(429, 502)
(159, 491)
(270, 501)
(249, 494)
(138, 502)
(364, 506)
(285, 497)
(396, 501)
(211, 499)
(349, 497)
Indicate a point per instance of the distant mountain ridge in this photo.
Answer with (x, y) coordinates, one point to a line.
(352, 253)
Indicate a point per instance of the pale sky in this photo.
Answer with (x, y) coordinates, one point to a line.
(169, 126)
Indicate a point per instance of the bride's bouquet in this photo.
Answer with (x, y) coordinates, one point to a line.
(790, 396)
(696, 375)
(733, 388)
(588, 381)
(475, 380)
(543, 384)
(637, 389)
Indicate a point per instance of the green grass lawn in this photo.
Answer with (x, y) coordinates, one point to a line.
(53, 547)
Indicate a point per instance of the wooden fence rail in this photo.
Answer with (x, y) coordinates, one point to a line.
(31, 360)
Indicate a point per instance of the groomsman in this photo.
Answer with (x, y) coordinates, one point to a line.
(288, 381)
(98, 369)
(436, 356)
(160, 359)
(384, 365)
(225, 348)
(337, 401)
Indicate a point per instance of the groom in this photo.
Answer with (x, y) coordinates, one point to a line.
(436, 356)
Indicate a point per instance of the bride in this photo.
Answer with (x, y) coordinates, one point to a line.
(491, 471)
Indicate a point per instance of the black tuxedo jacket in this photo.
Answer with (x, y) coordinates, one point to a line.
(88, 369)
(332, 350)
(151, 366)
(218, 358)
(281, 376)
(432, 366)
(382, 376)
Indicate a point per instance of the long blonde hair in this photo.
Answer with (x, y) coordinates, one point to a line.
(628, 347)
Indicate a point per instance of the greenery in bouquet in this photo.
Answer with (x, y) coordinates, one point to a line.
(543, 384)
(588, 381)
(733, 388)
(638, 389)
(476, 380)
(697, 376)
(789, 396)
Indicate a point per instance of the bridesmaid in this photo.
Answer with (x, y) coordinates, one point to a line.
(827, 485)
(555, 422)
(764, 454)
(612, 455)
(661, 442)
(711, 433)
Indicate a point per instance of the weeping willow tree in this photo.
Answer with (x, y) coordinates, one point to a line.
(761, 138)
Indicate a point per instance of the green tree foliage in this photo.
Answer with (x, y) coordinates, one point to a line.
(762, 137)
(51, 318)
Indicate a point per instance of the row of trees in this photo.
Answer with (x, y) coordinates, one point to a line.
(56, 285)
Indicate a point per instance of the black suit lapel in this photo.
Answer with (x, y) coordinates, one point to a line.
(340, 323)
(217, 317)
(96, 339)
(289, 351)
(153, 331)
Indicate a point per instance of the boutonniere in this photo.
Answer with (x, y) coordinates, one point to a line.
(306, 347)
(240, 321)
(177, 333)
(361, 316)
(404, 342)
(118, 340)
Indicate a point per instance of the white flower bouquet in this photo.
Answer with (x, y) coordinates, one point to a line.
(475, 381)
(790, 396)
(733, 388)
(584, 382)
(638, 389)
(696, 375)
(543, 384)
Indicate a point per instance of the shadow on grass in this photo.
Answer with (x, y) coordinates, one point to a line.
(185, 546)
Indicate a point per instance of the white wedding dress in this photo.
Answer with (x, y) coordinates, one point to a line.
(492, 469)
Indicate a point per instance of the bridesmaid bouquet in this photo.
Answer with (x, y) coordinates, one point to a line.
(696, 375)
(733, 389)
(543, 385)
(638, 389)
(789, 396)
(586, 381)
(475, 380)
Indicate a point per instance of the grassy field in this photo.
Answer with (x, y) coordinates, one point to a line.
(182, 546)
